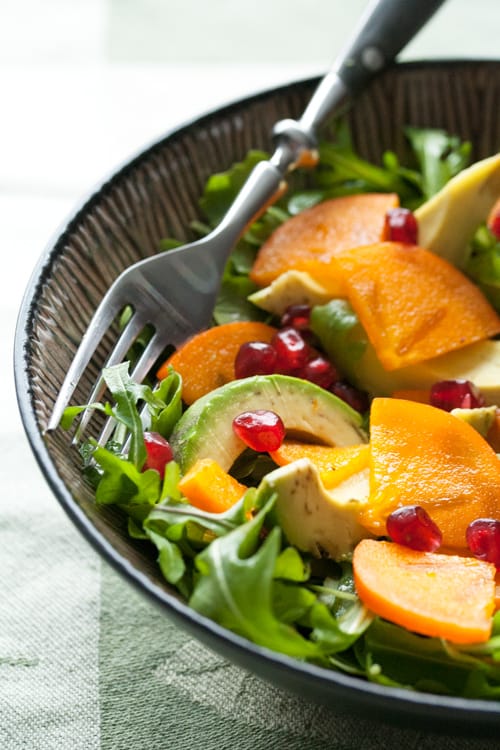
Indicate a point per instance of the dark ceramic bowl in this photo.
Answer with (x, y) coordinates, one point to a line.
(155, 195)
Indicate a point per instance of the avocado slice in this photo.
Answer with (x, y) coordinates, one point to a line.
(447, 222)
(205, 429)
(479, 363)
(314, 519)
(290, 288)
(481, 418)
(346, 343)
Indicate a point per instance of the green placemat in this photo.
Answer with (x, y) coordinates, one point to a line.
(88, 663)
(161, 689)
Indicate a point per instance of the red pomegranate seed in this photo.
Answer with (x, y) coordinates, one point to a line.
(483, 539)
(455, 394)
(412, 527)
(356, 399)
(494, 225)
(296, 316)
(291, 349)
(261, 430)
(401, 226)
(255, 358)
(158, 452)
(319, 371)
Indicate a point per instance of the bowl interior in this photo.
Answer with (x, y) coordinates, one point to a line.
(155, 195)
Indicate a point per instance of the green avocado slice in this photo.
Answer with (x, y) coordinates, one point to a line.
(205, 429)
(316, 520)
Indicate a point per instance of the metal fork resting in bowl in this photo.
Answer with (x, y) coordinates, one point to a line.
(174, 293)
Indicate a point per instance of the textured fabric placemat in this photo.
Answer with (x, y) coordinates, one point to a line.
(88, 663)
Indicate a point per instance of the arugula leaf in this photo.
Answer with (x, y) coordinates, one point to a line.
(221, 188)
(291, 567)
(291, 604)
(331, 633)
(176, 520)
(232, 302)
(165, 403)
(341, 171)
(483, 266)
(170, 558)
(392, 655)
(440, 157)
(127, 393)
(341, 335)
(72, 412)
(178, 530)
(170, 488)
(235, 588)
(123, 484)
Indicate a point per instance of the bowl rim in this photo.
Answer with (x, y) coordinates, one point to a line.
(470, 716)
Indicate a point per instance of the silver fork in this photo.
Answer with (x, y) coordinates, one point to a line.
(175, 292)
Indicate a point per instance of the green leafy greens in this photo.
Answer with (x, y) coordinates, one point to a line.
(237, 568)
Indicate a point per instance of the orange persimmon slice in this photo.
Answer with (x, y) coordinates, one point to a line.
(206, 361)
(335, 464)
(207, 486)
(446, 596)
(413, 304)
(308, 241)
(421, 455)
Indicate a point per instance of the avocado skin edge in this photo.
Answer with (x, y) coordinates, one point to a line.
(205, 429)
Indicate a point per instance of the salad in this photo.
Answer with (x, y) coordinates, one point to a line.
(318, 471)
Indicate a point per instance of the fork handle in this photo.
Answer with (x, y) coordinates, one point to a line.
(384, 29)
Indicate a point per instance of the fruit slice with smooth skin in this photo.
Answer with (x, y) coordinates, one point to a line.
(447, 222)
(205, 429)
(308, 241)
(206, 361)
(445, 596)
(412, 304)
(421, 455)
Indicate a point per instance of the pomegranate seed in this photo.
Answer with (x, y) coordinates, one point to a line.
(291, 349)
(455, 394)
(255, 358)
(356, 399)
(296, 316)
(483, 539)
(158, 452)
(319, 371)
(494, 225)
(261, 430)
(401, 226)
(413, 527)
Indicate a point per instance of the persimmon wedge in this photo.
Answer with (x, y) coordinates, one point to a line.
(413, 304)
(206, 361)
(446, 596)
(207, 486)
(421, 455)
(335, 463)
(308, 241)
